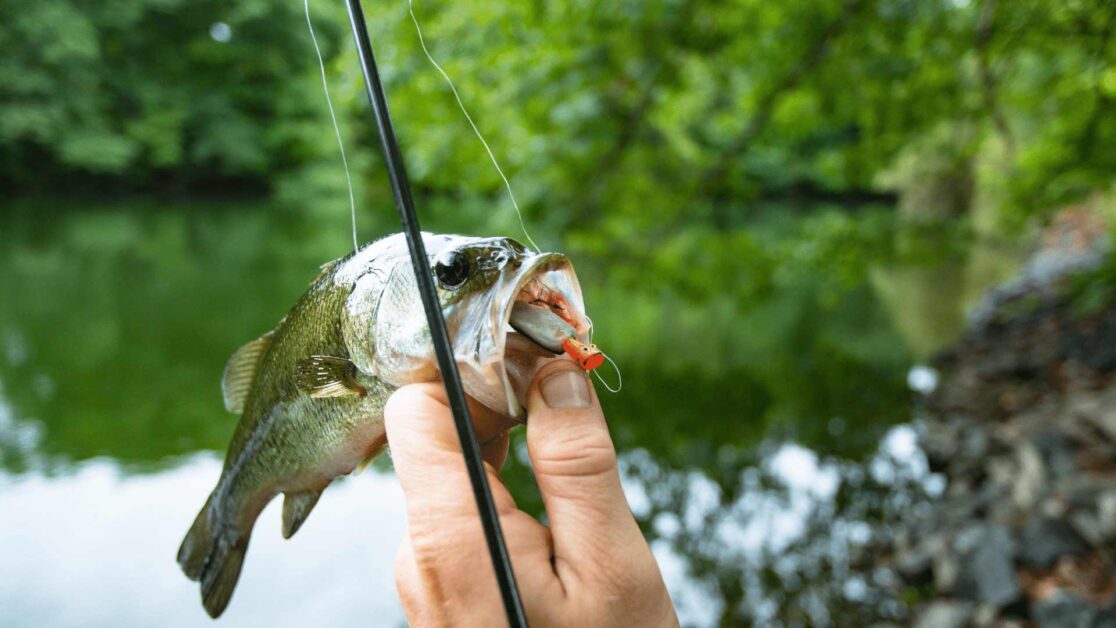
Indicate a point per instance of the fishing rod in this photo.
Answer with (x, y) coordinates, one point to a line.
(401, 189)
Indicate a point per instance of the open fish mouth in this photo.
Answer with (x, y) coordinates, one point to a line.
(503, 340)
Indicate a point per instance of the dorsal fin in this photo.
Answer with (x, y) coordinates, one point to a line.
(240, 372)
(324, 269)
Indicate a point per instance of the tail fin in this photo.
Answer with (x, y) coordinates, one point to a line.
(195, 547)
(213, 553)
(218, 578)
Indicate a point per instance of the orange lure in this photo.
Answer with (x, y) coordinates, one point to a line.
(587, 357)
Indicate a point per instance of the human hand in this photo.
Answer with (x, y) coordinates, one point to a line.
(591, 567)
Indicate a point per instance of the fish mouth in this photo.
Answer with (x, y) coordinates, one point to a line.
(535, 306)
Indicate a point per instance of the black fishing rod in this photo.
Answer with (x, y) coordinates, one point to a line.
(401, 188)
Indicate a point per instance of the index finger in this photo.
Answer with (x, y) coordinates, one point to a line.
(426, 453)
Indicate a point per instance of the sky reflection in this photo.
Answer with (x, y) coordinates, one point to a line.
(96, 548)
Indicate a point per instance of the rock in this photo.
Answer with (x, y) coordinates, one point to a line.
(1030, 476)
(947, 570)
(1057, 451)
(915, 563)
(1099, 409)
(1106, 510)
(986, 572)
(945, 614)
(1043, 540)
(1064, 610)
(974, 442)
(1090, 527)
(1106, 618)
(1107, 423)
(1096, 521)
(985, 615)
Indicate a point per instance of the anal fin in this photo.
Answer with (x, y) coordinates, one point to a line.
(326, 376)
(296, 507)
(364, 464)
(370, 454)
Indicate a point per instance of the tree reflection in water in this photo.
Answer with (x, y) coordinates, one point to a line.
(789, 538)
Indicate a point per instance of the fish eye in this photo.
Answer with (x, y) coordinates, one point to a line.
(451, 269)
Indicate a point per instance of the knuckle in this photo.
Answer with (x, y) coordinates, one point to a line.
(622, 579)
(432, 534)
(441, 541)
(404, 575)
(429, 551)
(629, 595)
(576, 455)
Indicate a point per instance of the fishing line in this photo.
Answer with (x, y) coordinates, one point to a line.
(597, 372)
(333, 117)
(439, 335)
(619, 377)
(461, 105)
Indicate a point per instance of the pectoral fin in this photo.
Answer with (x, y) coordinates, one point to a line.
(296, 507)
(325, 376)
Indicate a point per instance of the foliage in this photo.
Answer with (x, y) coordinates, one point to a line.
(141, 94)
(619, 118)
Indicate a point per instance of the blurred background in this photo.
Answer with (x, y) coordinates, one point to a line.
(852, 257)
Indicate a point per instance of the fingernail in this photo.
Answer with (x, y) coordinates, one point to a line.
(566, 389)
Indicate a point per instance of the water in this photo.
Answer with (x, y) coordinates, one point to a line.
(791, 450)
(95, 547)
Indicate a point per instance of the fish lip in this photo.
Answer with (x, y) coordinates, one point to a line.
(541, 265)
(531, 268)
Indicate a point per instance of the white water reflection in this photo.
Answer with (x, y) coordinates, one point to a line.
(96, 548)
(784, 539)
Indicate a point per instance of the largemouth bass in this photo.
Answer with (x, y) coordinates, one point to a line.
(311, 392)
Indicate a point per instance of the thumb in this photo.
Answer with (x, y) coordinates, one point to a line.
(575, 466)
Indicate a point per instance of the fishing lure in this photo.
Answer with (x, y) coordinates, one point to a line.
(587, 355)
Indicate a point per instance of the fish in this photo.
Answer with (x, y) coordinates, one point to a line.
(311, 392)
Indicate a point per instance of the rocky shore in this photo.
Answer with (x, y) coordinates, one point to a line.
(1022, 427)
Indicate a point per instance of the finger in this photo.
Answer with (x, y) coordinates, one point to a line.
(575, 466)
(487, 423)
(426, 453)
(495, 451)
(407, 581)
(458, 588)
(432, 588)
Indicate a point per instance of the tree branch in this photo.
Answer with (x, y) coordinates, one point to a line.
(989, 88)
(767, 103)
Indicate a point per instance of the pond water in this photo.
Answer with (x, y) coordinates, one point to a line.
(794, 445)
